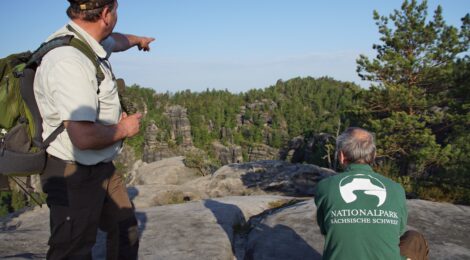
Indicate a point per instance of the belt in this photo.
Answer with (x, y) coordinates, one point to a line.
(58, 159)
(72, 162)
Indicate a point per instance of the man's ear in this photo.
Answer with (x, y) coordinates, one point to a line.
(341, 158)
(105, 14)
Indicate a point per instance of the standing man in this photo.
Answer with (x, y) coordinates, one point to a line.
(84, 191)
(361, 213)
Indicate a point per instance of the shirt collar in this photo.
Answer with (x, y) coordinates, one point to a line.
(359, 167)
(95, 45)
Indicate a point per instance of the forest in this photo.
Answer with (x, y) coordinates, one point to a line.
(417, 106)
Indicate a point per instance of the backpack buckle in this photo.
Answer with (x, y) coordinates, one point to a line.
(18, 73)
(2, 146)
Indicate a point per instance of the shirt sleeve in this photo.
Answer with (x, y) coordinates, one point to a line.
(404, 210)
(319, 202)
(73, 90)
(108, 45)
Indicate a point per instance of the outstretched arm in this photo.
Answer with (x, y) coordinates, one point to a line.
(125, 41)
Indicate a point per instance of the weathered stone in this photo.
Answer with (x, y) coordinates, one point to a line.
(146, 196)
(262, 152)
(300, 149)
(253, 178)
(262, 109)
(200, 230)
(125, 160)
(288, 233)
(246, 227)
(262, 177)
(154, 149)
(167, 171)
(24, 235)
(445, 226)
(266, 227)
(180, 125)
(227, 155)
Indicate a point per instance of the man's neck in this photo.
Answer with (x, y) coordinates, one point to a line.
(92, 28)
(345, 165)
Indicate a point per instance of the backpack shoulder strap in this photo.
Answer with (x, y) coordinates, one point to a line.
(66, 40)
(35, 61)
(45, 47)
(81, 45)
(85, 49)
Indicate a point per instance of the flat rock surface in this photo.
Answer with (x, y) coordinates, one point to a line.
(445, 226)
(167, 171)
(240, 227)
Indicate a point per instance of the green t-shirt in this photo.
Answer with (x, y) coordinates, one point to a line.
(362, 214)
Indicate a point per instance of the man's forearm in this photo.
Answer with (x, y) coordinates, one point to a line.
(89, 135)
(126, 41)
(123, 41)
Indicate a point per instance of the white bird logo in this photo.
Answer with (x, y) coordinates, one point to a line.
(362, 184)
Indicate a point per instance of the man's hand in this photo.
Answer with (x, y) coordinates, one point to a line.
(125, 41)
(131, 123)
(144, 43)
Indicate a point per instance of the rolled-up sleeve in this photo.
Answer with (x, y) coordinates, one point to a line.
(108, 45)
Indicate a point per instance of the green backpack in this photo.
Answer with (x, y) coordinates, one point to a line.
(22, 149)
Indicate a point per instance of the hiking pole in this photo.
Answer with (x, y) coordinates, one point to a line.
(25, 191)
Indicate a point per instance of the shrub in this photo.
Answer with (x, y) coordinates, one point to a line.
(197, 160)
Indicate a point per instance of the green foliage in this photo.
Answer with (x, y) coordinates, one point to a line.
(172, 197)
(198, 160)
(5, 203)
(270, 116)
(457, 125)
(18, 200)
(276, 204)
(415, 50)
(406, 138)
(309, 105)
(419, 109)
(152, 105)
(137, 143)
(445, 192)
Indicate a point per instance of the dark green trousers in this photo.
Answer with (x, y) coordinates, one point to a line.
(81, 200)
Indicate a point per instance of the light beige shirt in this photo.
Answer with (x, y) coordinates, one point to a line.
(65, 87)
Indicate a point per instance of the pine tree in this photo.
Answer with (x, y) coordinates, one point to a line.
(411, 77)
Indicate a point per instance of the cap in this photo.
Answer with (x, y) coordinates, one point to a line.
(89, 4)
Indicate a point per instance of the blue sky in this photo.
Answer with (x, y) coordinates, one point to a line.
(226, 44)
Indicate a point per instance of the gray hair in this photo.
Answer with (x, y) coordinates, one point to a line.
(357, 145)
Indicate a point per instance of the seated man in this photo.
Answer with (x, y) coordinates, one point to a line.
(361, 213)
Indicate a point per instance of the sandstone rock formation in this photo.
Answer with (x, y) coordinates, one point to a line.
(300, 149)
(180, 125)
(274, 220)
(227, 155)
(126, 159)
(154, 148)
(262, 152)
(173, 181)
(247, 227)
(168, 171)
